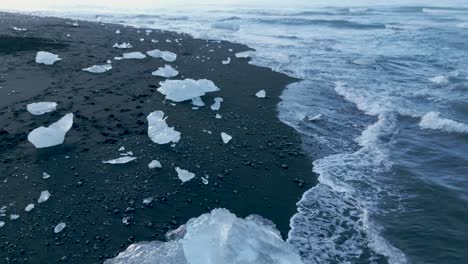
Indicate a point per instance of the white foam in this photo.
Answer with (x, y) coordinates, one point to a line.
(47, 58)
(188, 89)
(98, 68)
(184, 175)
(217, 237)
(440, 79)
(432, 120)
(41, 108)
(121, 160)
(167, 72)
(43, 137)
(158, 130)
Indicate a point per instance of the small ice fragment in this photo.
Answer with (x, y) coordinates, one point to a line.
(197, 101)
(29, 207)
(168, 41)
(43, 137)
(314, 118)
(121, 160)
(41, 107)
(134, 55)
(45, 195)
(217, 103)
(204, 180)
(117, 31)
(218, 116)
(122, 148)
(75, 24)
(14, 216)
(261, 94)
(184, 175)
(182, 90)
(225, 137)
(142, 39)
(441, 79)
(154, 41)
(47, 58)
(245, 54)
(108, 61)
(154, 164)
(167, 71)
(2, 223)
(165, 55)
(19, 29)
(158, 130)
(124, 45)
(98, 68)
(126, 220)
(58, 228)
(45, 175)
(227, 61)
(68, 35)
(148, 200)
(207, 131)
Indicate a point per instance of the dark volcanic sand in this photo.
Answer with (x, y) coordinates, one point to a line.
(257, 172)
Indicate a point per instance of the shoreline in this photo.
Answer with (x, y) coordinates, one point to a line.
(256, 173)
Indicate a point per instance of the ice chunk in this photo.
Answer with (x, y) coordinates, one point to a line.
(19, 29)
(197, 101)
(182, 90)
(43, 137)
(314, 118)
(227, 25)
(29, 207)
(41, 107)
(245, 54)
(14, 216)
(117, 31)
(184, 175)
(58, 228)
(121, 160)
(261, 94)
(227, 61)
(204, 180)
(167, 71)
(218, 237)
(441, 79)
(47, 58)
(154, 164)
(124, 45)
(148, 200)
(45, 195)
(225, 137)
(2, 223)
(217, 104)
(432, 120)
(218, 116)
(75, 24)
(98, 68)
(45, 175)
(165, 55)
(158, 130)
(134, 55)
(122, 148)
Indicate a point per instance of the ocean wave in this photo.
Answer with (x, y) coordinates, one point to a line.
(323, 22)
(434, 10)
(432, 120)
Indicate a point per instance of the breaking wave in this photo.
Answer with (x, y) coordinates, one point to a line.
(432, 120)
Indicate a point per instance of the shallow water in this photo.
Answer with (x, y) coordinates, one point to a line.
(391, 189)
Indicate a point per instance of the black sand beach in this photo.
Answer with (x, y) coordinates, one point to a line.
(263, 170)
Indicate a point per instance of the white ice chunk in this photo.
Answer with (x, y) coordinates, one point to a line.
(98, 68)
(154, 164)
(217, 104)
(117, 31)
(218, 237)
(432, 120)
(261, 94)
(75, 24)
(314, 118)
(182, 90)
(124, 45)
(227, 61)
(122, 148)
(218, 116)
(184, 175)
(121, 160)
(227, 25)
(14, 216)
(245, 54)
(197, 101)
(148, 200)
(41, 107)
(441, 79)
(45, 175)
(134, 55)
(204, 180)
(45, 195)
(165, 55)
(167, 71)
(29, 207)
(2, 223)
(47, 58)
(19, 29)
(158, 130)
(58, 228)
(43, 137)
(225, 137)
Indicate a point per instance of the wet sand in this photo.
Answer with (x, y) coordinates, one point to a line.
(263, 170)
